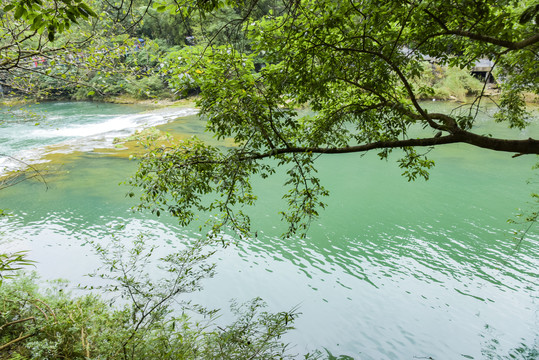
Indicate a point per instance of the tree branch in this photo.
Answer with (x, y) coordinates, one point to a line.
(512, 45)
(17, 322)
(20, 338)
(528, 146)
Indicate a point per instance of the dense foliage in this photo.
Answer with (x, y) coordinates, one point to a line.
(51, 323)
(75, 50)
(99, 49)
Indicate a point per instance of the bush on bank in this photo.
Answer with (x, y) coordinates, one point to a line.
(52, 323)
(144, 316)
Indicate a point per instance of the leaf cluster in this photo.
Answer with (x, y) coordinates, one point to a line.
(53, 17)
(10, 263)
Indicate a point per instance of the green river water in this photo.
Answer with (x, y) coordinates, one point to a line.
(390, 270)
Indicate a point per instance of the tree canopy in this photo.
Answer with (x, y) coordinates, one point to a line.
(28, 28)
(77, 48)
(357, 66)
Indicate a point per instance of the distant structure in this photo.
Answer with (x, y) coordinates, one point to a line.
(482, 70)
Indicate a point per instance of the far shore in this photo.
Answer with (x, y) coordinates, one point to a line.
(156, 103)
(531, 100)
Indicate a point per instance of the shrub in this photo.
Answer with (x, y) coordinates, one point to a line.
(52, 323)
(443, 83)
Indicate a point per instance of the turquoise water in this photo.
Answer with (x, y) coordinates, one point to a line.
(391, 270)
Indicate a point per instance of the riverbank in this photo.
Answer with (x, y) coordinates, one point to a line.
(126, 100)
(531, 100)
(159, 103)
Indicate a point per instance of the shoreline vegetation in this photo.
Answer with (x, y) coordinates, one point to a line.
(435, 82)
(458, 92)
(120, 99)
(47, 321)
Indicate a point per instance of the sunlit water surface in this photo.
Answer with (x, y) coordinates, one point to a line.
(390, 270)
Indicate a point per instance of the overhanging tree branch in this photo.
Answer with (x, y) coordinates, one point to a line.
(512, 45)
(521, 147)
(528, 146)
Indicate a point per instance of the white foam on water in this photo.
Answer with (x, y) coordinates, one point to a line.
(86, 137)
(114, 124)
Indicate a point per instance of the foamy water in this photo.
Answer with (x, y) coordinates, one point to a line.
(25, 143)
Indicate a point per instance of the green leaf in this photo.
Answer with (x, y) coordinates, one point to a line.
(529, 14)
(9, 7)
(37, 23)
(86, 10)
(19, 12)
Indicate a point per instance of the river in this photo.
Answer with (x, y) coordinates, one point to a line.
(390, 270)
